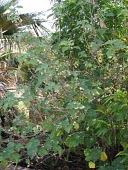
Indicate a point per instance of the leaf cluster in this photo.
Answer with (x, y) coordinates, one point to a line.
(73, 85)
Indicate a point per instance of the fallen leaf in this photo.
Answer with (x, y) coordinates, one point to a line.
(102, 24)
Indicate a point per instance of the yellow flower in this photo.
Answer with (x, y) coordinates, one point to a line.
(100, 59)
(104, 157)
(91, 165)
(76, 126)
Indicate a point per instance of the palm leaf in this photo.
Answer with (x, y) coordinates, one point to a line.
(6, 4)
(9, 27)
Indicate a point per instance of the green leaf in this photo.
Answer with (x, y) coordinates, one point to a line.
(91, 113)
(81, 117)
(15, 157)
(57, 148)
(73, 140)
(18, 147)
(1, 157)
(10, 145)
(65, 125)
(51, 86)
(110, 52)
(75, 105)
(48, 144)
(3, 163)
(42, 151)
(33, 61)
(117, 163)
(32, 147)
(7, 152)
(92, 154)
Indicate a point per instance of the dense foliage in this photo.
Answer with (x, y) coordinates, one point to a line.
(73, 90)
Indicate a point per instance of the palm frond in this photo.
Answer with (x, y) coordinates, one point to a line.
(9, 27)
(6, 4)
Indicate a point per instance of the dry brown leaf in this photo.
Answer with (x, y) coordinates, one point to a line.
(93, 2)
(102, 24)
